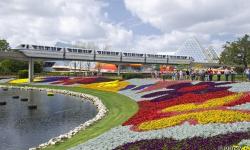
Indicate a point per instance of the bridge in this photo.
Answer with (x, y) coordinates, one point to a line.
(31, 53)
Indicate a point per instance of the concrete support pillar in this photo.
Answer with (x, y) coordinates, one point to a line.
(31, 70)
(118, 69)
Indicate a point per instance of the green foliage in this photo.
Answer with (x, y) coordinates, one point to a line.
(157, 67)
(237, 52)
(13, 66)
(4, 45)
(22, 74)
(38, 67)
(239, 69)
(132, 75)
(8, 66)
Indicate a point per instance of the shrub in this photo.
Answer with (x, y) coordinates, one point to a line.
(239, 69)
(132, 75)
(22, 74)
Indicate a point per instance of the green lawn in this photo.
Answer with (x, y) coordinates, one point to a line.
(120, 109)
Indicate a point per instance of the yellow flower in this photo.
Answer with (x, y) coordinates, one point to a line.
(21, 81)
(208, 104)
(204, 117)
(112, 86)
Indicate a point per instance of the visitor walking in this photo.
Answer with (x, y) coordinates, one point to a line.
(227, 73)
(192, 72)
(181, 75)
(210, 74)
(178, 75)
(202, 75)
(247, 72)
(218, 75)
(233, 73)
(187, 75)
(197, 74)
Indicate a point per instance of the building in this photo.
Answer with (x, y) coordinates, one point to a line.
(193, 48)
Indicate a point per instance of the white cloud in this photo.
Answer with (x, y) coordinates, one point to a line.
(183, 18)
(189, 14)
(46, 22)
(168, 42)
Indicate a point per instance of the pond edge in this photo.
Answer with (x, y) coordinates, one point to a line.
(102, 110)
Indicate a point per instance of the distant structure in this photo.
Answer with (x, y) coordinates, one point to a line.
(193, 48)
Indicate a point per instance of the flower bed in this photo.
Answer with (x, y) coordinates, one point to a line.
(81, 80)
(181, 114)
(198, 104)
(112, 86)
(64, 80)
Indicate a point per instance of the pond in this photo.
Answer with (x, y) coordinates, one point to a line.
(22, 128)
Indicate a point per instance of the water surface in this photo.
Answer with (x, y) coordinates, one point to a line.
(21, 128)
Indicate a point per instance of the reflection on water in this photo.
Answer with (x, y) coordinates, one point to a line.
(21, 128)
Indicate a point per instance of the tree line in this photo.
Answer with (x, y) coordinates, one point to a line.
(237, 52)
(8, 66)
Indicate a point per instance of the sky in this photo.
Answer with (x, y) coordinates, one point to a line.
(145, 26)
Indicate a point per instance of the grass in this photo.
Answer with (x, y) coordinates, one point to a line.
(120, 109)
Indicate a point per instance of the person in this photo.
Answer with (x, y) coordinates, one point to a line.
(178, 75)
(181, 75)
(174, 74)
(226, 72)
(156, 74)
(206, 75)
(233, 73)
(247, 72)
(218, 75)
(210, 74)
(197, 74)
(164, 76)
(192, 72)
(200, 75)
(188, 75)
(203, 74)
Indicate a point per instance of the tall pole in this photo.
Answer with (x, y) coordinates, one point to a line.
(31, 70)
(118, 69)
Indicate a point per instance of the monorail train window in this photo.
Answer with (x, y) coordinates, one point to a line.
(41, 47)
(89, 51)
(59, 49)
(52, 48)
(27, 46)
(23, 45)
(69, 49)
(79, 51)
(34, 46)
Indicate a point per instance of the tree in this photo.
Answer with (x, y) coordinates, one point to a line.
(237, 52)
(4, 45)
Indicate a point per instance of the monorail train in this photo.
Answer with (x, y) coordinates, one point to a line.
(98, 55)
